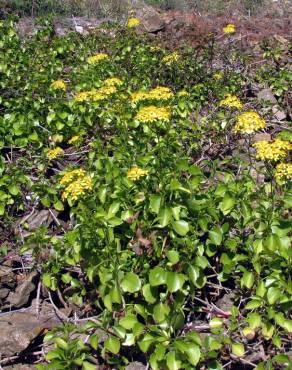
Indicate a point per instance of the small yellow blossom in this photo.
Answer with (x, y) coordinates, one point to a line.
(158, 93)
(77, 183)
(171, 58)
(112, 81)
(135, 173)
(54, 153)
(58, 85)
(218, 76)
(249, 122)
(153, 49)
(152, 113)
(231, 101)
(95, 95)
(283, 172)
(183, 93)
(94, 59)
(74, 139)
(273, 151)
(133, 22)
(230, 28)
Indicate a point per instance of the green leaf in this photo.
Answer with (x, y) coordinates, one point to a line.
(155, 203)
(272, 242)
(149, 293)
(216, 235)
(146, 342)
(164, 216)
(157, 276)
(193, 353)
(216, 323)
(131, 283)
(160, 312)
(88, 366)
(237, 349)
(175, 281)
(94, 341)
(112, 344)
(181, 227)
(128, 321)
(247, 279)
(173, 256)
(273, 294)
(61, 343)
(59, 206)
(227, 204)
(172, 362)
(113, 209)
(254, 303)
(13, 189)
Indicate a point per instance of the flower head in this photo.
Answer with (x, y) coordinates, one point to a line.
(249, 122)
(283, 172)
(133, 22)
(77, 183)
(95, 95)
(231, 101)
(94, 59)
(54, 153)
(58, 85)
(171, 58)
(230, 28)
(273, 151)
(183, 93)
(158, 93)
(218, 76)
(154, 49)
(74, 139)
(152, 113)
(135, 173)
(112, 81)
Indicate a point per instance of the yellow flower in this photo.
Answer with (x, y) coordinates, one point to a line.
(249, 122)
(135, 173)
(77, 183)
(283, 172)
(133, 22)
(94, 59)
(272, 151)
(158, 93)
(113, 81)
(54, 153)
(58, 85)
(183, 93)
(171, 58)
(153, 49)
(74, 139)
(231, 101)
(218, 76)
(95, 95)
(230, 28)
(152, 113)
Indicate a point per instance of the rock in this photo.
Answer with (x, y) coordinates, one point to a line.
(262, 137)
(20, 367)
(267, 95)
(20, 297)
(226, 302)
(151, 19)
(25, 27)
(279, 114)
(19, 329)
(4, 293)
(135, 366)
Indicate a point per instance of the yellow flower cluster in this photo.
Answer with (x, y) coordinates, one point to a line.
(274, 151)
(231, 101)
(54, 153)
(94, 59)
(133, 22)
(135, 173)
(183, 93)
(95, 95)
(113, 81)
(218, 76)
(249, 122)
(283, 172)
(74, 139)
(152, 113)
(153, 49)
(77, 183)
(158, 93)
(230, 28)
(171, 58)
(58, 85)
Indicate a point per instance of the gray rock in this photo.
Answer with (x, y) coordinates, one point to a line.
(4, 293)
(20, 297)
(267, 95)
(151, 19)
(279, 114)
(135, 366)
(262, 137)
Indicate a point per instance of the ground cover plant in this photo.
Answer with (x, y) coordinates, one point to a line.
(170, 189)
